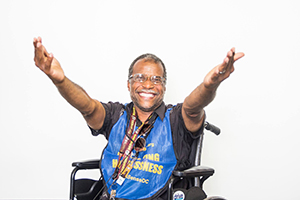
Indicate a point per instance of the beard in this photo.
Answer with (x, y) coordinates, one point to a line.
(150, 108)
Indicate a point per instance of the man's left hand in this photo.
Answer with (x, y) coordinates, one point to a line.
(223, 70)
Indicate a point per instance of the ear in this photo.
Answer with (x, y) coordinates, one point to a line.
(128, 85)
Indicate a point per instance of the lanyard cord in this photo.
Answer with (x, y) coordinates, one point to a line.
(129, 141)
(123, 155)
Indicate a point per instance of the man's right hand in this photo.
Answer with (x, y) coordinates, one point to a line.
(92, 110)
(46, 62)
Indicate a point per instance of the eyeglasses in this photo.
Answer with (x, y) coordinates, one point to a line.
(142, 78)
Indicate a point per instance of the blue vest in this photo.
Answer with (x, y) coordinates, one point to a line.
(153, 168)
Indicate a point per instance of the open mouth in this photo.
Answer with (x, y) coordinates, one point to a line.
(146, 95)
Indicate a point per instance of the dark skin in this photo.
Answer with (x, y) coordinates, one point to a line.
(146, 96)
(193, 105)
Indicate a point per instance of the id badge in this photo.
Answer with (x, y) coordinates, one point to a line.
(120, 180)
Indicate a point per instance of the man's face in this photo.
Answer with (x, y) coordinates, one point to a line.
(146, 96)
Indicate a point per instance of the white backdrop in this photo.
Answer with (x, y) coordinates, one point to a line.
(255, 157)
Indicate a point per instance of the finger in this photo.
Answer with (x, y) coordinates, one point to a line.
(226, 62)
(232, 49)
(239, 55)
(42, 58)
(38, 50)
(49, 59)
(221, 69)
(34, 42)
(37, 42)
(230, 59)
(45, 63)
(46, 54)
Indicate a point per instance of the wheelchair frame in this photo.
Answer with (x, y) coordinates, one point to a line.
(198, 172)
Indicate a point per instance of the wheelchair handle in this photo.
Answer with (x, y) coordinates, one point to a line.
(212, 128)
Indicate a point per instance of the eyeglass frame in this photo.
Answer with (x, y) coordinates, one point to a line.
(163, 80)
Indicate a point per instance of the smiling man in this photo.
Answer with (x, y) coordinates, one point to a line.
(146, 84)
(147, 139)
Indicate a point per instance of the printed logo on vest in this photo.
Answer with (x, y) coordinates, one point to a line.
(178, 195)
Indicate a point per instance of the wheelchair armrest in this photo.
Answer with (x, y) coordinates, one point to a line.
(195, 171)
(90, 164)
(83, 165)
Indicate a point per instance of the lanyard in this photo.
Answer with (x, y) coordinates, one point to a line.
(128, 143)
(124, 165)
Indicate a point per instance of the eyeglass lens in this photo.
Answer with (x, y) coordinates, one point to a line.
(142, 78)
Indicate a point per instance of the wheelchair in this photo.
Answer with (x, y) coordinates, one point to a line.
(89, 189)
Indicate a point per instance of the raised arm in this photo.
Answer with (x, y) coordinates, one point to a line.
(92, 110)
(193, 105)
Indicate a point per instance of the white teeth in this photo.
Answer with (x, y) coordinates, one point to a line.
(146, 95)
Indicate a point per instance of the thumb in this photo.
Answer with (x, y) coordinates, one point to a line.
(239, 55)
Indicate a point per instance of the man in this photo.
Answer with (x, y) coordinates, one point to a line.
(146, 138)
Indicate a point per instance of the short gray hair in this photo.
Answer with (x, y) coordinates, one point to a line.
(148, 57)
